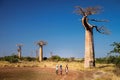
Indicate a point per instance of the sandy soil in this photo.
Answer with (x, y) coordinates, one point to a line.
(37, 73)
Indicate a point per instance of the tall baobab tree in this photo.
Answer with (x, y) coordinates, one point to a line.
(41, 44)
(19, 50)
(89, 60)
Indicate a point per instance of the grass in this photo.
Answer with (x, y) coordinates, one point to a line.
(50, 64)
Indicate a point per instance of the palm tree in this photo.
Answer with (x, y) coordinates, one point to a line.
(89, 60)
(41, 44)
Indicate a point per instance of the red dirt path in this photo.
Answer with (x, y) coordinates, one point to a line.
(36, 73)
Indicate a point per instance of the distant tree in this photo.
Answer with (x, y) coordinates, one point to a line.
(19, 50)
(45, 58)
(116, 48)
(89, 42)
(72, 59)
(41, 44)
(115, 59)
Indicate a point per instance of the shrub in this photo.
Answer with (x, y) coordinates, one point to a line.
(101, 60)
(45, 58)
(28, 58)
(11, 59)
(55, 58)
(14, 59)
(64, 59)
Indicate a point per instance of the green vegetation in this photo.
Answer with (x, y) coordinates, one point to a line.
(101, 60)
(55, 58)
(11, 59)
(113, 56)
(58, 58)
(28, 59)
(116, 48)
(109, 60)
(14, 59)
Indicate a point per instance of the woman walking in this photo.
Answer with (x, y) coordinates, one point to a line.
(57, 69)
(66, 69)
(61, 69)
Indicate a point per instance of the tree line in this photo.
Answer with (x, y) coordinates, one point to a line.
(113, 57)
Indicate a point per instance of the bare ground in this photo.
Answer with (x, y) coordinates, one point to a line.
(37, 73)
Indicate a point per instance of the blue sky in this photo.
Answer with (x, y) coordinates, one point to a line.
(29, 21)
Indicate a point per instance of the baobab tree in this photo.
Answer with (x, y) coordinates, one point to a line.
(89, 60)
(41, 44)
(19, 50)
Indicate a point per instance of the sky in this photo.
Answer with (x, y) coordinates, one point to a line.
(54, 21)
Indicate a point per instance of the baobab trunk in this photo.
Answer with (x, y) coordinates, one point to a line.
(89, 44)
(41, 53)
(19, 54)
(89, 49)
(41, 44)
(19, 50)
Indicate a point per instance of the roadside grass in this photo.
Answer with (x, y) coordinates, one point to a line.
(50, 64)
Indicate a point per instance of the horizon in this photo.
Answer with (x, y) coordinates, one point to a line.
(29, 21)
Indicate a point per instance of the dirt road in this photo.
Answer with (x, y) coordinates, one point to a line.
(36, 73)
